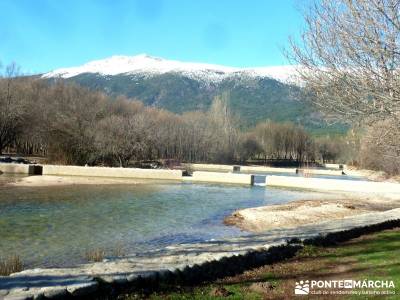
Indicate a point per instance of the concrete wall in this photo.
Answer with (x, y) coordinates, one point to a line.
(20, 169)
(112, 172)
(321, 172)
(335, 166)
(233, 178)
(261, 169)
(210, 167)
(333, 184)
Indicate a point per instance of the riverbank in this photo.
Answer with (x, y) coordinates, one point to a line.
(187, 258)
(303, 212)
(174, 261)
(49, 180)
(372, 175)
(355, 259)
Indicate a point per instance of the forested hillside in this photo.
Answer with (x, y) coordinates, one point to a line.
(253, 99)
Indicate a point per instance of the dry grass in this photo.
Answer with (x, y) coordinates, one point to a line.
(98, 254)
(10, 265)
(119, 251)
(95, 255)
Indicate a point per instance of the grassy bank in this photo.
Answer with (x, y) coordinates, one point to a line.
(374, 257)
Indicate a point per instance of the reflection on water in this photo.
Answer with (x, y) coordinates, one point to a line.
(54, 226)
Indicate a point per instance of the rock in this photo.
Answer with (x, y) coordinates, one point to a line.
(120, 279)
(83, 289)
(115, 279)
(3, 292)
(54, 291)
(132, 277)
(19, 296)
(262, 287)
(164, 274)
(148, 275)
(220, 292)
(19, 290)
(39, 296)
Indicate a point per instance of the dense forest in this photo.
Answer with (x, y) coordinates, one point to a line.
(70, 124)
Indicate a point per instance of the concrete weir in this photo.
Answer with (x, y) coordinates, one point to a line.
(232, 178)
(112, 172)
(263, 169)
(20, 169)
(333, 184)
(210, 167)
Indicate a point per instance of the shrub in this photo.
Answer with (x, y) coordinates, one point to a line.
(10, 265)
(380, 147)
(95, 255)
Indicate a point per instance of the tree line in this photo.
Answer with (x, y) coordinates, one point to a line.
(70, 124)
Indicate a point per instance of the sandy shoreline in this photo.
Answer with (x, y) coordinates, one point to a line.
(304, 212)
(80, 280)
(336, 206)
(372, 175)
(273, 224)
(49, 180)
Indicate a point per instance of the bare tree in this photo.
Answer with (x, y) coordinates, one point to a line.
(121, 139)
(222, 126)
(349, 58)
(12, 106)
(380, 148)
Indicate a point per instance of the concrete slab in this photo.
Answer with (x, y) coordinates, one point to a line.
(334, 185)
(230, 178)
(112, 172)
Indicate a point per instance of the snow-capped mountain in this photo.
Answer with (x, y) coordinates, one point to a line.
(149, 65)
(255, 94)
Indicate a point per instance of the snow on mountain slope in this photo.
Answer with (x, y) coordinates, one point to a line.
(148, 65)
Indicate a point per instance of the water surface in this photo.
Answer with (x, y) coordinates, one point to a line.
(55, 226)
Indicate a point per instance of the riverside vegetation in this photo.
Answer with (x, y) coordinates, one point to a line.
(73, 125)
(11, 264)
(70, 124)
(356, 259)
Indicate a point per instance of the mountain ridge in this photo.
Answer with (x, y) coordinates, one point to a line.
(146, 64)
(255, 94)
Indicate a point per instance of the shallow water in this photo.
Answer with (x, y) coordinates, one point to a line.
(56, 226)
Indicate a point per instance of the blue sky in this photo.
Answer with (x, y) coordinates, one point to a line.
(42, 35)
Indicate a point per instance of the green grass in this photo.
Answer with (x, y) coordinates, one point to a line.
(377, 258)
(373, 257)
(237, 291)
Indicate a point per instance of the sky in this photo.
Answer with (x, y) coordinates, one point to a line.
(43, 35)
